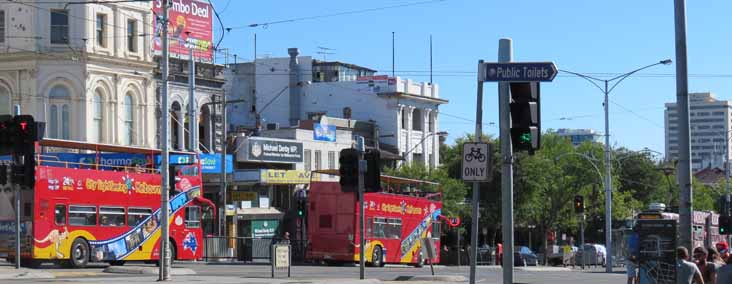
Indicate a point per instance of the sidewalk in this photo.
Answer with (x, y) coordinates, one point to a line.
(9, 272)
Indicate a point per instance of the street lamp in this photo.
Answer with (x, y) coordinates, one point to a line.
(608, 183)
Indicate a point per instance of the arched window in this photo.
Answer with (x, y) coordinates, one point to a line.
(59, 123)
(65, 132)
(128, 123)
(96, 133)
(5, 105)
(53, 122)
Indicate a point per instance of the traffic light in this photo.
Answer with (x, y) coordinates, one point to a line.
(6, 134)
(525, 117)
(372, 178)
(724, 205)
(348, 170)
(302, 207)
(579, 204)
(725, 225)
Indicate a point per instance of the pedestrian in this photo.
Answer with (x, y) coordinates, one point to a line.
(723, 249)
(715, 258)
(724, 274)
(686, 271)
(632, 263)
(708, 270)
(499, 254)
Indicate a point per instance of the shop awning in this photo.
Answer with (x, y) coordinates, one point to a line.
(258, 213)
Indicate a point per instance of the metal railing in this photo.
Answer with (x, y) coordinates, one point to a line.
(247, 249)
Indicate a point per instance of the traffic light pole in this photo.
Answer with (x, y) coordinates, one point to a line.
(361, 217)
(505, 54)
(17, 207)
(582, 238)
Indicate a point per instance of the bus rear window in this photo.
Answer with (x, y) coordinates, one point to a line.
(82, 215)
(135, 216)
(193, 217)
(111, 216)
(59, 214)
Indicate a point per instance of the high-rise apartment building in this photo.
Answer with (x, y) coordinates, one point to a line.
(709, 124)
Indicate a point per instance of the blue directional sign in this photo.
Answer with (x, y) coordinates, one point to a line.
(519, 72)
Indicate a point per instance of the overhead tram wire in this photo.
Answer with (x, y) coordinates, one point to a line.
(360, 11)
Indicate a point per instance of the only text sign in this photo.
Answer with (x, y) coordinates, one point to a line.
(477, 162)
(519, 72)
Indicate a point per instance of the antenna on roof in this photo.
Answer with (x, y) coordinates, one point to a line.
(325, 51)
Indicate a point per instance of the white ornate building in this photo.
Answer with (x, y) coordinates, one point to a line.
(87, 70)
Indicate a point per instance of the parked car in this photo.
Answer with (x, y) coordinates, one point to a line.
(592, 254)
(555, 255)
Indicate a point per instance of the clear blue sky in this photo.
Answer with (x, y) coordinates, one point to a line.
(581, 36)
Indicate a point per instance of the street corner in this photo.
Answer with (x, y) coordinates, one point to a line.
(432, 278)
(9, 273)
(146, 270)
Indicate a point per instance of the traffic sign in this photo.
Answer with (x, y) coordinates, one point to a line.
(477, 163)
(519, 72)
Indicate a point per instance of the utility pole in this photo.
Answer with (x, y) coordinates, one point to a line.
(505, 54)
(608, 187)
(476, 185)
(582, 238)
(360, 146)
(192, 104)
(164, 273)
(682, 104)
(223, 161)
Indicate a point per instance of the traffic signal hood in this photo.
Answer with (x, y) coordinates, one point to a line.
(579, 204)
(525, 116)
(725, 225)
(348, 170)
(372, 178)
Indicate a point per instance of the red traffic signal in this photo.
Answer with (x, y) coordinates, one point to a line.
(579, 204)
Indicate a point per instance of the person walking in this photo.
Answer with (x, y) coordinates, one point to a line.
(708, 270)
(724, 273)
(632, 262)
(686, 271)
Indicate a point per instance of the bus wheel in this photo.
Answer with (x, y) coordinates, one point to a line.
(79, 254)
(420, 261)
(377, 257)
(117, 263)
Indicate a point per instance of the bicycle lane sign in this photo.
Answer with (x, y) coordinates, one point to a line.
(477, 162)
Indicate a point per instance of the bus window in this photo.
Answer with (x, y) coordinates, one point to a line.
(190, 171)
(379, 227)
(82, 215)
(111, 216)
(394, 230)
(135, 216)
(60, 214)
(193, 217)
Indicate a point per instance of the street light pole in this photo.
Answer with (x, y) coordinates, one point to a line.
(606, 90)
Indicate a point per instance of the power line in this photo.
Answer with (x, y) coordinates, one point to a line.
(636, 114)
(360, 11)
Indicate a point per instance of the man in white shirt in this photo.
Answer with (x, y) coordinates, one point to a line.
(686, 271)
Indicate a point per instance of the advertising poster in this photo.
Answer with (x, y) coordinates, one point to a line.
(657, 251)
(190, 25)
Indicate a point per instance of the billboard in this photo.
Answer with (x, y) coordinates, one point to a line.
(190, 25)
(324, 132)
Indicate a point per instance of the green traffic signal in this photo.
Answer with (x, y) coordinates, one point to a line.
(300, 213)
(525, 138)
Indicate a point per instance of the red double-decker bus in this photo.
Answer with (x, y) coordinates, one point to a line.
(88, 211)
(397, 220)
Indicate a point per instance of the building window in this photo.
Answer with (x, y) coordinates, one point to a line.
(2, 26)
(5, 105)
(132, 35)
(128, 126)
(59, 112)
(65, 132)
(101, 30)
(98, 116)
(331, 160)
(318, 160)
(53, 122)
(307, 160)
(60, 26)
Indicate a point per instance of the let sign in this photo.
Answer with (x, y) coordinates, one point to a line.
(477, 164)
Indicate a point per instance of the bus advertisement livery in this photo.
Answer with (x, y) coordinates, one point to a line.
(397, 223)
(93, 212)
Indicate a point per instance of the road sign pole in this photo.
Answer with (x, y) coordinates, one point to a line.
(505, 54)
(476, 185)
(361, 218)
